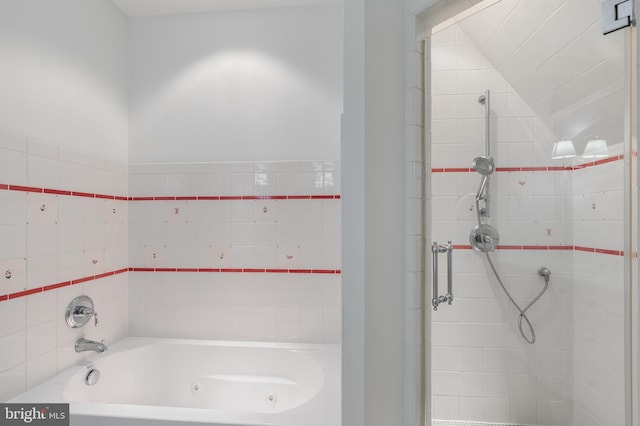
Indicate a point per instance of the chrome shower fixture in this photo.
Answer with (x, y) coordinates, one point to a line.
(544, 272)
(485, 100)
(485, 166)
(484, 238)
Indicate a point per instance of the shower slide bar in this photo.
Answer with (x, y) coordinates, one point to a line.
(437, 249)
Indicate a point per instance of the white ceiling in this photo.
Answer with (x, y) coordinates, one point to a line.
(171, 7)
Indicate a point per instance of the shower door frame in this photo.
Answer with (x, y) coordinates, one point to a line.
(632, 232)
(416, 141)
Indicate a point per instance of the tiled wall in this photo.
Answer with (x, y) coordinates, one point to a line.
(483, 369)
(566, 216)
(63, 226)
(260, 242)
(598, 317)
(245, 251)
(219, 216)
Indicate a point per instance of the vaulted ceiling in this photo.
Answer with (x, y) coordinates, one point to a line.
(553, 53)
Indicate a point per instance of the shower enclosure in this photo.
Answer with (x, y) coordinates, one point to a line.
(528, 154)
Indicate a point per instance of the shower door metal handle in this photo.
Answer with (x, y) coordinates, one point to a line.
(436, 249)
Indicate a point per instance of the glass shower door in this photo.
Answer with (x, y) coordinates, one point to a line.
(529, 168)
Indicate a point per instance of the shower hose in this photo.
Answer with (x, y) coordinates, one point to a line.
(522, 317)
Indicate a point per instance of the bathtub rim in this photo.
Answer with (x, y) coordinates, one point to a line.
(52, 390)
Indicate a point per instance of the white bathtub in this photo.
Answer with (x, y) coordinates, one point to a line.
(189, 382)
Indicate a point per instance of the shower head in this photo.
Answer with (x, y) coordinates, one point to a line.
(484, 165)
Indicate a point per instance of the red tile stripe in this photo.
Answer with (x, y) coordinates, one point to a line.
(53, 191)
(531, 169)
(240, 270)
(235, 197)
(550, 248)
(600, 251)
(50, 287)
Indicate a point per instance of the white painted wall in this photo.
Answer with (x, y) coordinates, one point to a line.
(373, 214)
(62, 77)
(236, 86)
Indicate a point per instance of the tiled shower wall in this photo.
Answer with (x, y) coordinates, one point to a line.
(246, 251)
(599, 299)
(63, 227)
(483, 370)
(566, 216)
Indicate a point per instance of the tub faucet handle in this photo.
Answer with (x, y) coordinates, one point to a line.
(88, 312)
(79, 312)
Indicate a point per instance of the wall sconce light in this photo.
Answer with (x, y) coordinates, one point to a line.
(596, 148)
(563, 149)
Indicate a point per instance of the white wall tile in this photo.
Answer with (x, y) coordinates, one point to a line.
(13, 381)
(40, 368)
(14, 348)
(42, 209)
(14, 274)
(13, 167)
(42, 269)
(40, 339)
(41, 308)
(42, 172)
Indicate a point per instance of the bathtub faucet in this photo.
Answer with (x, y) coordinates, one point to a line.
(83, 345)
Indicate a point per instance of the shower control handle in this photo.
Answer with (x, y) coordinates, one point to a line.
(436, 249)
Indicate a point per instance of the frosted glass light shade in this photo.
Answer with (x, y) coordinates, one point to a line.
(596, 148)
(563, 149)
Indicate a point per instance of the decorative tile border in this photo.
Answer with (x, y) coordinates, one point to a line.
(241, 270)
(236, 197)
(50, 287)
(280, 270)
(33, 189)
(466, 423)
(548, 248)
(531, 169)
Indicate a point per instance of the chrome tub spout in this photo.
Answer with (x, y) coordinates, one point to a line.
(83, 345)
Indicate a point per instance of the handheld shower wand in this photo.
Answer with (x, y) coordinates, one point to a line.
(484, 237)
(485, 166)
